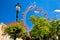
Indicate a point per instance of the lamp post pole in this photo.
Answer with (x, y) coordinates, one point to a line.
(17, 15)
(17, 11)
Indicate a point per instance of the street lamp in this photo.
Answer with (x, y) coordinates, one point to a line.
(17, 10)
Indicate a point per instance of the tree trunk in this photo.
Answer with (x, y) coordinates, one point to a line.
(58, 37)
(53, 38)
(15, 36)
(45, 38)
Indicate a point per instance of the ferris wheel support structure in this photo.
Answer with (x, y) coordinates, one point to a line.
(36, 9)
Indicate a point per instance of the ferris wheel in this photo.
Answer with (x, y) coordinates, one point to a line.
(35, 8)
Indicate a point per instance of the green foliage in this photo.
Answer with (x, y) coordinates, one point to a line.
(41, 27)
(17, 28)
(55, 28)
(58, 27)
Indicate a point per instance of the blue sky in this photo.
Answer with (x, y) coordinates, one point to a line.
(8, 11)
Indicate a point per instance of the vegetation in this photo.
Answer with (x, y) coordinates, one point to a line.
(55, 29)
(16, 30)
(40, 28)
(43, 29)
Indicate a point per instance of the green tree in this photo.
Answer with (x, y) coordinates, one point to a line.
(15, 30)
(58, 26)
(58, 29)
(55, 28)
(40, 28)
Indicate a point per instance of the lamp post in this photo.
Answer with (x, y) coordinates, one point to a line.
(17, 10)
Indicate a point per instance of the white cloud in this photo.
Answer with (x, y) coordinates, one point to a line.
(36, 11)
(57, 10)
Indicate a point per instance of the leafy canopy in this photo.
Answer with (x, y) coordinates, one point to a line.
(16, 27)
(40, 28)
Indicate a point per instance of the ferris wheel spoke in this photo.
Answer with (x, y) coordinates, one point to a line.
(36, 9)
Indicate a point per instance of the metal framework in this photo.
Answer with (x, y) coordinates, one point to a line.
(36, 9)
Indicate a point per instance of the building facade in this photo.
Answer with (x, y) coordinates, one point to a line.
(2, 35)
